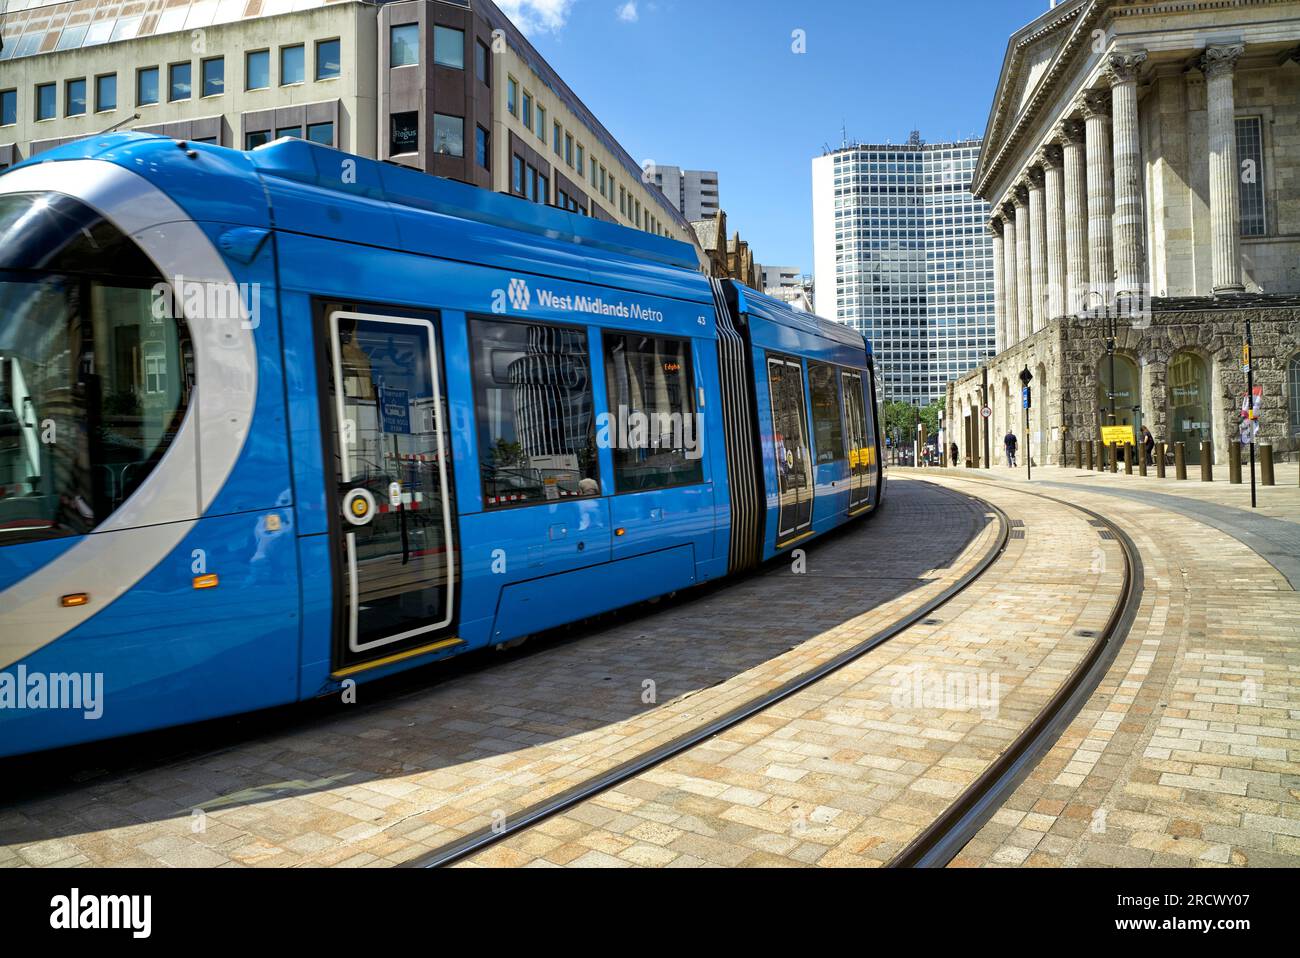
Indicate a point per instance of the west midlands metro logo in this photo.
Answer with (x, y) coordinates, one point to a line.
(520, 297)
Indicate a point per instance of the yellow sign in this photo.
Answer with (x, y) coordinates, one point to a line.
(1119, 435)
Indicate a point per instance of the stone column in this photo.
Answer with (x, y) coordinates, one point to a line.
(1010, 286)
(1024, 280)
(1037, 246)
(999, 287)
(1219, 64)
(1054, 199)
(1129, 242)
(1070, 136)
(1095, 107)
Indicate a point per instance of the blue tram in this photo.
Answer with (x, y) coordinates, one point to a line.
(276, 421)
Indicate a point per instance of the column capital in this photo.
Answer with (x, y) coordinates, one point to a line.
(1094, 103)
(995, 224)
(1020, 195)
(1009, 211)
(1034, 176)
(1123, 66)
(1067, 132)
(1050, 157)
(1220, 59)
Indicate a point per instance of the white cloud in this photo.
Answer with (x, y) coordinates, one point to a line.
(627, 12)
(537, 16)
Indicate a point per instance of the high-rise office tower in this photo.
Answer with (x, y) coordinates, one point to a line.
(903, 254)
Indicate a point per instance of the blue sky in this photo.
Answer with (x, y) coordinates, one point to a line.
(715, 84)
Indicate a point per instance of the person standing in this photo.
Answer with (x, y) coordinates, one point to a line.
(1010, 441)
(953, 450)
(1148, 446)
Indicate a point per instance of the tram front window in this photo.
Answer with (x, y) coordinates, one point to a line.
(93, 386)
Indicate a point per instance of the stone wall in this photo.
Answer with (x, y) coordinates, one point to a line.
(1067, 356)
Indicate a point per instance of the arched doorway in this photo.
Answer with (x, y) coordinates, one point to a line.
(1189, 404)
(1042, 434)
(1125, 399)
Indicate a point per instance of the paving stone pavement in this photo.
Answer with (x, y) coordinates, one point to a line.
(395, 777)
(1188, 754)
(847, 772)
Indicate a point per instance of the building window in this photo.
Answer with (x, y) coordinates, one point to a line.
(178, 82)
(146, 86)
(254, 140)
(1189, 404)
(449, 47)
(1293, 394)
(405, 135)
(654, 433)
(1250, 159)
(291, 65)
(482, 62)
(47, 103)
(561, 199)
(559, 140)
(214, 76)
(106, 93)
(535, 413)
(448, 135)
(578, 158)
(328, 61)
(516, 175)
(257, 70)
(541, 123)
(291, 132)
(482, 147)
(322, 133)
(543, 188)
(527, 118)
(74, 95)
(8, 107)
(512, 96)
(404, 45)
(530, 182)
(568, 148)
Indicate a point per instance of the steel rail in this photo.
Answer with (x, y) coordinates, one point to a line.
(511, 825)
(948, 834)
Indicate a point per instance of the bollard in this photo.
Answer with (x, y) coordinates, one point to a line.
(1180, 460)
(1142, 461)
(1114, 463)
(1207, 462)
(1128, 459)
(1090, 455)
(1266, 464)
(1078, 451)
(1160, 460)
(1234, 463)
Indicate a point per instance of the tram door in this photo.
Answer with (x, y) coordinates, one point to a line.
(794, 468)
(861, 448)
(396, 554)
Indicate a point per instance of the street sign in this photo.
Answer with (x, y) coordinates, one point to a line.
(1025, 396)
(1245, 357)
(986, 412)
(395, 409)
(1251, 408)
(1026, 377)
(1119, 435)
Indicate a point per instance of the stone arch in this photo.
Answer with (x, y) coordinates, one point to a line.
(1291, 398)
(1039, 422)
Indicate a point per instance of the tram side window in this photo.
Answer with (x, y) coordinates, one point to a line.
(94, 382)
(652, 426)
(535, 412)
(828, 428)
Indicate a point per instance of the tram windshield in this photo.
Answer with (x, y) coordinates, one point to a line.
(94, 379)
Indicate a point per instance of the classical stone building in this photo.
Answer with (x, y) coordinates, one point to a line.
(726, 257)
(1143, 163)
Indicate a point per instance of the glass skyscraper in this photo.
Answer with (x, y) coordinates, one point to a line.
(903, 255)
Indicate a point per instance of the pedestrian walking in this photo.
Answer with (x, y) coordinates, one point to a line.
(953, 450)
(1148, 446)
(1010, 441)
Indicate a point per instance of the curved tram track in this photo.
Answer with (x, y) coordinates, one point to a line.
(940, 842)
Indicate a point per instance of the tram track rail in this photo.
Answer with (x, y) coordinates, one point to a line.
(944, 838)
(484, 838)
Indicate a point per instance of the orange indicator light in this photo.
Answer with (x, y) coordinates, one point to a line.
(208, 581)
(74, 600)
